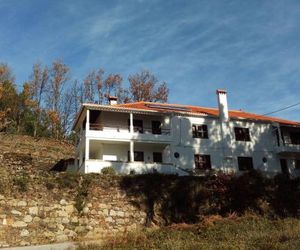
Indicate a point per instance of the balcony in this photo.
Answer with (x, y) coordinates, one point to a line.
(95, 166)
(288, 148)
(115, 132)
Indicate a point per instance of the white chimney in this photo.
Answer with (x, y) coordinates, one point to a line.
(113, 100)
(223, 106)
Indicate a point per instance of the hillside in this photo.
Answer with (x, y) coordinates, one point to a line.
(19, 152)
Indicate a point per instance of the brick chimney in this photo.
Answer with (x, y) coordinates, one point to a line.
(113, 100)
(223, 105)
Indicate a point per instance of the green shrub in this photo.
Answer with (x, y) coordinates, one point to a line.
(21, 182)
(49, 185)
(108, 171)
(82, 193)
(68, 180)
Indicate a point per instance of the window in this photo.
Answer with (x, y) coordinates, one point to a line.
(241, 134)
(137, 126)
(202, 162)
(245, 163)
(200, 131)
(297, 164)
(295, 138)
(157, 157)
(156, 127)
(284, 167)
(138, 156)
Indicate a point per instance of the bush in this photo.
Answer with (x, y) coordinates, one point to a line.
(68, 180)
(21, 182)
(108, 171)
(82, 194)
(49, 185)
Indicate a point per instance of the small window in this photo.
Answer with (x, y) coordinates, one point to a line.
(200, 131)
(137, 126)
(202, 162)
(138, 156)
(242, 134)
(157, 157)
(245, 163)
(297, 164)
(156, 127)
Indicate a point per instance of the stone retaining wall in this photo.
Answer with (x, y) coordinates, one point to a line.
(31, 221)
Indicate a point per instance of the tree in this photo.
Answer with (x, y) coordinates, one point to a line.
(6, 73)
(93, 86)
(26, 117)
(144, 86)
(112, 86)
(37, 85)
(59, 75)
(8, 106)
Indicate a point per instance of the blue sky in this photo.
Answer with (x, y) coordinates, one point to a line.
(251, 48)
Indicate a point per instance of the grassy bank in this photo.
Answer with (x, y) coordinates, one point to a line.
(247, 232)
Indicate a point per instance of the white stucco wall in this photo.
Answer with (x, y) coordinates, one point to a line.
(223, 153)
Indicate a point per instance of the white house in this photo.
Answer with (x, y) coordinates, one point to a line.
(145, 137)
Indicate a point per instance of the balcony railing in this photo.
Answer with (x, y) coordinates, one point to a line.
(122, 128)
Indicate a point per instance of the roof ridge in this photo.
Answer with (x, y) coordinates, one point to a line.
(234, 113)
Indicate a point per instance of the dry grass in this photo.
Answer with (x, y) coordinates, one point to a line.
(248, 232)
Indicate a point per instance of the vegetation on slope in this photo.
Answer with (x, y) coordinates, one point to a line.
(215, 232)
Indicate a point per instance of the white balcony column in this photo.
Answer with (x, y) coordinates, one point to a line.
(131, 123)
(87, 127)
(87, 149)
(281, 142)
(131, 151)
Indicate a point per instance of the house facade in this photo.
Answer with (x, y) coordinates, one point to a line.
(146, 137)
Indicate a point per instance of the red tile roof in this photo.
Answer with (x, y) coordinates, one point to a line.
(178, 108)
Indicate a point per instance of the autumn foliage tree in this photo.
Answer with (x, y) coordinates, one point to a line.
(48, 103)
(145, 86)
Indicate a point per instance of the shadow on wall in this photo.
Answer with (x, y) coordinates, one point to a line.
(171, 199)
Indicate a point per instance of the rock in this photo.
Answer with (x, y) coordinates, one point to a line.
(2, 197)
(109, 219)
(85, 210)
(62, 213)
(69, 209)
(22, 204)
(61, 227)
(63, 202)
(49, 234)
(65, 220)
(36, 219)
(79, 229)
(27, 218)
(105, 212)
(16, 212)
(24, 233)
(120, 221)
(4, 222)
(24, 243)
(120, 214)
(112, 213)
(74, 219)
(102, 206)
(62, 238)
(19, 224)
(33, 210)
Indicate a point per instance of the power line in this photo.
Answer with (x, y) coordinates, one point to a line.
(278, 110)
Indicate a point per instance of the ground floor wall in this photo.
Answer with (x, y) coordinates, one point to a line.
(180, 159)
